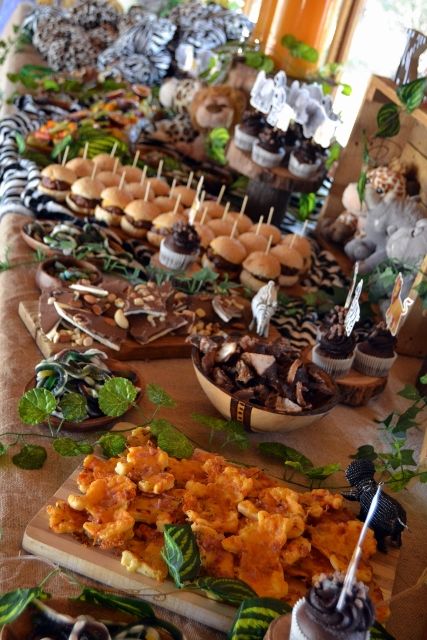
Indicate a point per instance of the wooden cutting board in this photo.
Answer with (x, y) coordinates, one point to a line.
(163, 348)
(105, 567)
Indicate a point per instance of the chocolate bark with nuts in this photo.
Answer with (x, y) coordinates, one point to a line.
(102, 329)
(149, 298)
(146, 328)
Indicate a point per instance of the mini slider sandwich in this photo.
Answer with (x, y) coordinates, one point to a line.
(225, 256)
(162, 226)
(258, 269)
(111, 209)
(106, 162)
(82, 167)
(56, 181)
(85, 195)
(138, 218)
(291, 264)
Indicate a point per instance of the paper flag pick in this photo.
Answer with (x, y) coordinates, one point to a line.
(353, 285)
(262, 93)
(398, 308)
(353, 313)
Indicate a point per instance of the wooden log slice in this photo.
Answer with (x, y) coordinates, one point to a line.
(356, 389)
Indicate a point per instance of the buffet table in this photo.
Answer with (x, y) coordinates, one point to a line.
(331, 439)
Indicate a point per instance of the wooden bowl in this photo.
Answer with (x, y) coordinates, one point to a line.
(254, 417)
(36, 245)
(23, 625)
(95, 424)
(46, 280)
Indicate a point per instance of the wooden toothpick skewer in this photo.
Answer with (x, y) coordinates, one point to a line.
(173, 185)
(260, 221)
(86, 149)
(136, 158)
(147, 192)
(270, 215)
(205, 213)
(293, 241)
(160, 169)
(190, 179)
(116, 165)
(65, 156)
(270, 240)
(220, 195)
(226, 209)
(114, 149)
(122, 180)
(243, 207)
(200, 185)
(144, 174)
(233, 231)
(202, 198)
(94, 170)
(304, 228)
(177, 203)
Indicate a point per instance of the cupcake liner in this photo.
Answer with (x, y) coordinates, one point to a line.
(296, 632)
(303, 169)
(336, 367)
(370, 365)
(173, 260)
(265, 158)
(243, 141)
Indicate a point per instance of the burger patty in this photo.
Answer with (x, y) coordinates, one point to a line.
(222, 264)
(86, 203)
(261, 278)
(55, 185)
(162, 231)
(115, 210)
(139, 224)
(288, 271)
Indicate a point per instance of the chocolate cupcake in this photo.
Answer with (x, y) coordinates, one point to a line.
(268, 151)
(305, 161)
(246, 133)
(180, 248)
(317, 616)
(375, 355)
(335, 351)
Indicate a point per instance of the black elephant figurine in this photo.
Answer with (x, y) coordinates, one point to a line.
(389, 519)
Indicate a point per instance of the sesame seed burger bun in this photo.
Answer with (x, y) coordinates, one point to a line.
(138, 218)
(159, 186)
(104, 162)
(258, 269)
(82, 167)
(301, 244)
(268, 230)
(253, 242)
(111, 209)
(291, 262)
(85, 195)
(162, 224)
(56, 181)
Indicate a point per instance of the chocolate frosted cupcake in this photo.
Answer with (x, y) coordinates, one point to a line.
(375, 355)
(181, 247)
(248, 130)
(335, 351)
(316, 615)
(268, 150)
(305, 161)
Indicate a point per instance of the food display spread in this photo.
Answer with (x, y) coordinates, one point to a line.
(163, 178)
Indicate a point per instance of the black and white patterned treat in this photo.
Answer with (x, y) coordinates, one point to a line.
(90, 14)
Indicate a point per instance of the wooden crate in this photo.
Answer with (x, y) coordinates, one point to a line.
(410, 145)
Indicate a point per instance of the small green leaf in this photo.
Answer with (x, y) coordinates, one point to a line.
(181, 553)
(255, 616)
(116, 396)
(307, 204)
(361, 186)
(399, 480)
(159, 396)
(388, 121)
(50, 85)
(411, 95)
(365, 452)
(407, 457)
(112, 444)
(20, 141)
(68, 447)
(321, 473)
(136, 607)
(346, 89)
(13, 603)
(170, 439)
(31, 456)
(333, 154)
(423, 379)
(228, 590)
(410, 392)
(286, 454)
(61, 146)
(73, 407)
(36, 406)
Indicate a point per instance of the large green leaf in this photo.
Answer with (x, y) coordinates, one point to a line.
(228, 590)
(255, 616)
(181, 553)
(170, 439)
(116, 396)
(73, 407)
(158, 396)
(139, 608)
(36, 405)
(68, 447)
(112, 444)
(31, 456)
(411, 95)
(285, 453)
(388, 121)
(13, 603)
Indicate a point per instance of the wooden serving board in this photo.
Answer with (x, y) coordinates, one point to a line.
(160, 349)
(105, 567)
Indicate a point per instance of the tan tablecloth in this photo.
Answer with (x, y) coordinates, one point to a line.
(330, 440)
